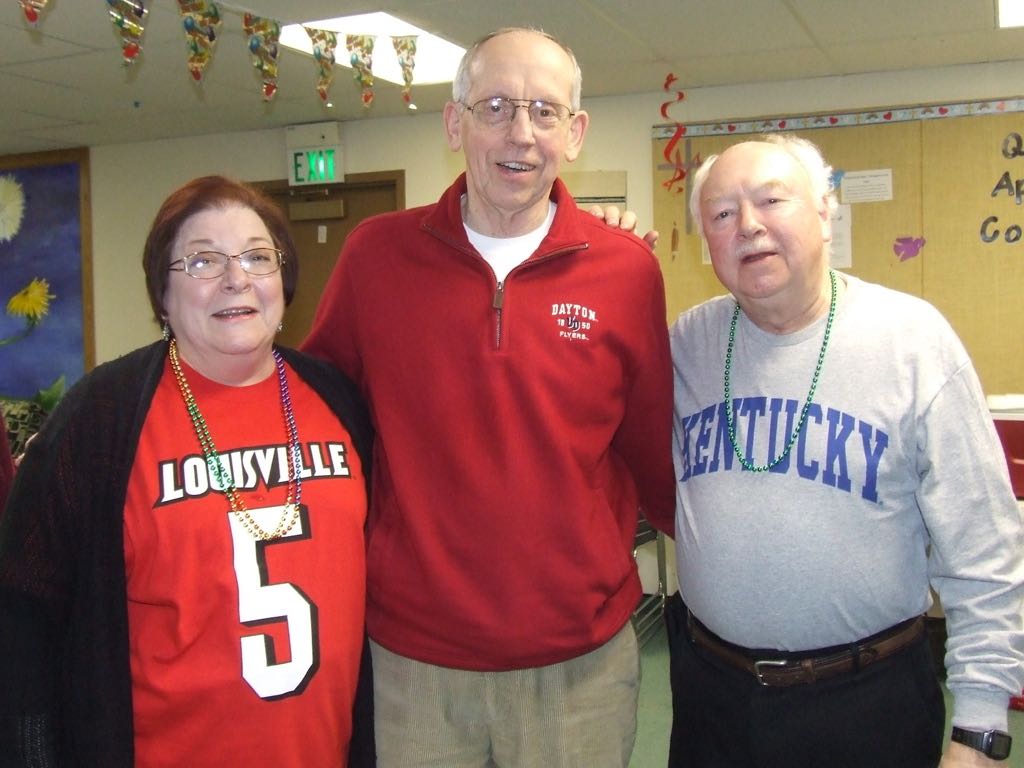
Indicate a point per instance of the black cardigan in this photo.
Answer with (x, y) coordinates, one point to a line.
(65, 679)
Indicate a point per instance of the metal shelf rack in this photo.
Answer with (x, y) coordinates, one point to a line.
(647, 618)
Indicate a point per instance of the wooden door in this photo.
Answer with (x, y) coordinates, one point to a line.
(321, 218)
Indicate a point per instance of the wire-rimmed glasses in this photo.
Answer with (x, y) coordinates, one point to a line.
(498, 110)
(258, 262)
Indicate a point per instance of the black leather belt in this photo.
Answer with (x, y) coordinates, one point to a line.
(798, 669)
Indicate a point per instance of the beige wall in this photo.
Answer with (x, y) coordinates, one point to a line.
(130, 180)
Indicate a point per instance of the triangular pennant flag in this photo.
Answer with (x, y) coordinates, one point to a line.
(405, 47)
(263, 35)
(201, 19)
(324, 42)
(360, 48)
(129, 17)
(32, 9)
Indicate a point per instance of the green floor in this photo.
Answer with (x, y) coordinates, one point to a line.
(654, 717)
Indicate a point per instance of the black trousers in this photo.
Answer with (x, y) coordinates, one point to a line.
(891, 714)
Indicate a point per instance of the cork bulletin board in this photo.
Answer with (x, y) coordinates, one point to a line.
(952, 231)
(977, 277)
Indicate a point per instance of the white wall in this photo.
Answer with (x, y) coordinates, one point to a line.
(130, 180)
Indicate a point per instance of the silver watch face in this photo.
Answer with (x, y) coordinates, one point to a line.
(997, 745)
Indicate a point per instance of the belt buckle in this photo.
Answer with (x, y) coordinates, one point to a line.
(767, 663)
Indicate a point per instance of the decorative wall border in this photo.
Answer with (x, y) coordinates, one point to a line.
(840, 119)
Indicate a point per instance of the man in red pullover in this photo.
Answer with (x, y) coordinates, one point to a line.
(513, 351)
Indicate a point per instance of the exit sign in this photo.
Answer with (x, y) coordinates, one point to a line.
(315, 165)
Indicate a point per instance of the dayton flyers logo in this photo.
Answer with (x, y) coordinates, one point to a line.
(575, 322)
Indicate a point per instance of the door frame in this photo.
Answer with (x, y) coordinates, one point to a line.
(367, 179)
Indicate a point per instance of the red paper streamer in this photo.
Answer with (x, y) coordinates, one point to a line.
(671, 153)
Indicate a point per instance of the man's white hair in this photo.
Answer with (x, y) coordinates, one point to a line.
(805, 152)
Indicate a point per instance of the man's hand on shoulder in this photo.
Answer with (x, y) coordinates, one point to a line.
(623, 220)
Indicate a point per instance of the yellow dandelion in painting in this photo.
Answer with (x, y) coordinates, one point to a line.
(12, 207)
(32, 302)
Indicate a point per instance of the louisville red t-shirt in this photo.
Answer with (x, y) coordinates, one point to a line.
(243, 652)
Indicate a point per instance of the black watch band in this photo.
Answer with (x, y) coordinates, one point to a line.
(993, 744)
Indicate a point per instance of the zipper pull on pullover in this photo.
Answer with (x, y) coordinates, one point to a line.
(497, 303)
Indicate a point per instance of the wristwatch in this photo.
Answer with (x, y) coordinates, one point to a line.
(993, 744)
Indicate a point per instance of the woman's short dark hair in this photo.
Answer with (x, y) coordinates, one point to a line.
(203, 194)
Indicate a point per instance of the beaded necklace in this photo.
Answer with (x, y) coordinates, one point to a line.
(291, 504)
(729, 420)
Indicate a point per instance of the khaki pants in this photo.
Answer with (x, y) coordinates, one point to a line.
(580, 713)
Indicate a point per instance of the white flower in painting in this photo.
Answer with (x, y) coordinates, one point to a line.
(12, 207)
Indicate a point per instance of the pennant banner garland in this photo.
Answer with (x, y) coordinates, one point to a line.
(201, 20)
(31, 9)
(128, 17)
(405, 47)
(324, 43)
(360, 48)
(263, 35)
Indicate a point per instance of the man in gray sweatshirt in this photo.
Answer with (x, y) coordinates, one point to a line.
(834, 457)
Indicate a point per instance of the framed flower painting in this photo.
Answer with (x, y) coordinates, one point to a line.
(46, 327)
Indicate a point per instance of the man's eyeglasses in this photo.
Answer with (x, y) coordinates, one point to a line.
(258, 262)
(496, 111)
